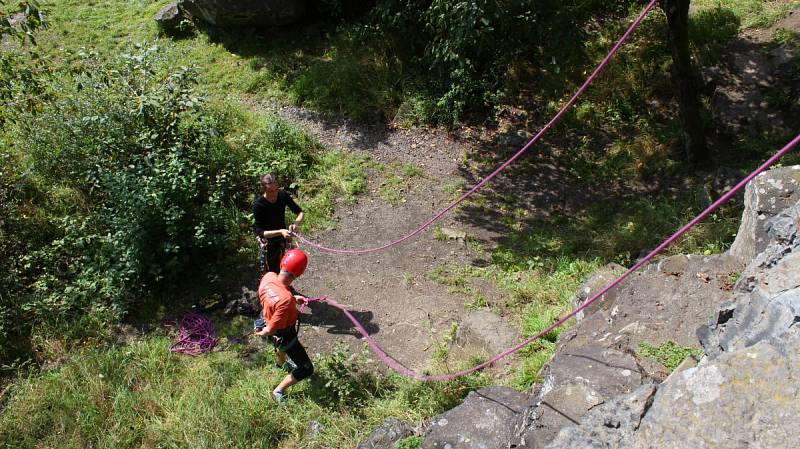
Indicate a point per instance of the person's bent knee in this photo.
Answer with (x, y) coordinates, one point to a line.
(303, 371)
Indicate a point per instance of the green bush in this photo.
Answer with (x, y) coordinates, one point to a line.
(462, 56)
(132, 182)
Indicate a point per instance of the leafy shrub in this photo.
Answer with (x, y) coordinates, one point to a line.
(466, 50)
(132, 183)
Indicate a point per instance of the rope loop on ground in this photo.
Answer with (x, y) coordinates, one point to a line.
(195, 336)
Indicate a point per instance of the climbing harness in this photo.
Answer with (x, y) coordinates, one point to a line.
(519, 153)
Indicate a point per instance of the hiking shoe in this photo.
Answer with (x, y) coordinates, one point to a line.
(278, 396)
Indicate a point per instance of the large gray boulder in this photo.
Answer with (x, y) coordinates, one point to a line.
(665, 301)
(767, 299)
(745, 398)
(576, 381)
(744, 392)
(482, 421)
(610, 424)
(597, 360)
(765, 196)
(241, 13)
(748, 398)
(387, 434)
(170, 18)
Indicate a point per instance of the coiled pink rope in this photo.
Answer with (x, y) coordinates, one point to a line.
(397, 366)
(195, 336)
(519, 153)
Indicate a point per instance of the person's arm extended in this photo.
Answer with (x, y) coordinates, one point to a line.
(297, 220)
(276, 233)
(280, 311)
(265, 332)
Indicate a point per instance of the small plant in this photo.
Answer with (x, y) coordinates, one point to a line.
(478, 301)
(412, 442)
(411, 171)
(409, 280)
(438, 234)
(443, 346)
(668, 353)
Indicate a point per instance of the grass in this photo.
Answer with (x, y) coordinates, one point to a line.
(143, 396)
(750, 13)
(668, 353)
(398, 180)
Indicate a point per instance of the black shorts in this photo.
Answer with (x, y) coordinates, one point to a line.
(285, 340)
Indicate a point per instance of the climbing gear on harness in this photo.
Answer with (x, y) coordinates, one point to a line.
(287, 366)
(284, 339)
(295, 262)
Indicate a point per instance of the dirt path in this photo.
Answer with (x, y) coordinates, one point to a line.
(405, 312)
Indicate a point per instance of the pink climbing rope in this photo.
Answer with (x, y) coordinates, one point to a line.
(397, 366)
(519, 153)
(195, 336)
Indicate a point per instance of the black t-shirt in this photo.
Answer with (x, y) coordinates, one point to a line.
(272, 216)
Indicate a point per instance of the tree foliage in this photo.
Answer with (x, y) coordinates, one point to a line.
(122, 183)
(471, 47)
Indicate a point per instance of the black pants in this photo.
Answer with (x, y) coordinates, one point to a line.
(285, 340)
(270, 255)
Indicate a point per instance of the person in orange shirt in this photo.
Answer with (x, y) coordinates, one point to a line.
(279, 312)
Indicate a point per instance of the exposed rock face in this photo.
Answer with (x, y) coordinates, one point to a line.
(578, 380)
(744, 393)
(387, 434)
(483, 420)
(610, 424)
(594, 284)
(486, 333)
(765, 196)
(745, 398)
(767, 300)
(169, 18)
(666, 300)
(239, 13)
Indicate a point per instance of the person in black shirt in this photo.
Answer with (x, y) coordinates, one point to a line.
(269, 213)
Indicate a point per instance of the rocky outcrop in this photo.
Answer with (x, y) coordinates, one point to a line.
(579, 379)
(609, 425)
(387, 434)
(744, 392)
(597, 359)
(242, 13)
(598, 392)
(170, 18)
(481, 421)
(765, 196)
(594, 284)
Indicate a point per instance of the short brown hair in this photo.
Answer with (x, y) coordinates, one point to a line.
(267, 178)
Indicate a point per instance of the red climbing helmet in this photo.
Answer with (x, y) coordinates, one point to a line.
(294, 261)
